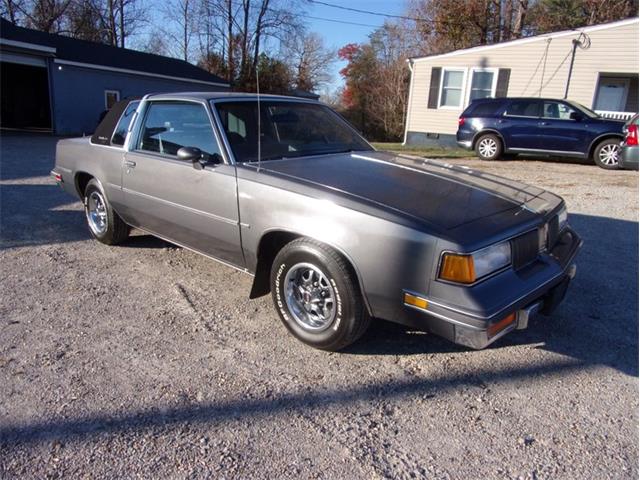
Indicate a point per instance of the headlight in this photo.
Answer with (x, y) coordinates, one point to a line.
(562, 218)
(467, 268)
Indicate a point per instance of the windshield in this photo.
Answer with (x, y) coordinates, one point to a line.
(287, 129)
(588, 112)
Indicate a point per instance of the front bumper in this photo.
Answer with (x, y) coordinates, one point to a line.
(476, 331)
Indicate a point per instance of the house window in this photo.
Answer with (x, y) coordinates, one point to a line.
(612, 93)
(451, 88)
(483, 84)
(110, 97)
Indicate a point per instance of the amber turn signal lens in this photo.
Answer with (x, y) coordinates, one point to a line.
(501, 325)
(457, 268)
(415, 301)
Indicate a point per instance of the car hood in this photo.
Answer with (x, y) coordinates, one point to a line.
(443, 195)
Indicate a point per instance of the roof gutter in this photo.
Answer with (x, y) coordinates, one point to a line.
(137, 72)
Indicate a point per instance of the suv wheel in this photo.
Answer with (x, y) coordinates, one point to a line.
(606, 154)
(489, 147)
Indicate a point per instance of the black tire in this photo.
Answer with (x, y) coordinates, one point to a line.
(489, 147)
(607, 154)
(350, 319)
(105, 225)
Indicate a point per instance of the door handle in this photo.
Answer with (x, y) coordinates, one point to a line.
(130, 163)
(502, 121)
(543, 123)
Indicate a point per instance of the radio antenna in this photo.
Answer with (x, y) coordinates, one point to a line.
(258, 96)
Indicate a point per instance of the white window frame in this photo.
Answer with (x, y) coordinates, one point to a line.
(463, 87)
(494, 82)
(106, 93)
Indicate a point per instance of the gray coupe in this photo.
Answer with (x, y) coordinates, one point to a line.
(286, 190)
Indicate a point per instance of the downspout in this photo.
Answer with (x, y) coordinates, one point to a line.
(408, 109)
(573, 56)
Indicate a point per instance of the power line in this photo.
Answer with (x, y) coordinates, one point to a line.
(339, 21)
(368, 12)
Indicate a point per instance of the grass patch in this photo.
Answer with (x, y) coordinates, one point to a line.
(422, 151)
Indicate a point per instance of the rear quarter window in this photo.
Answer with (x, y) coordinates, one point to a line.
(482, 109)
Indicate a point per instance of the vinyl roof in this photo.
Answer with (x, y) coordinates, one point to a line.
(92, 53)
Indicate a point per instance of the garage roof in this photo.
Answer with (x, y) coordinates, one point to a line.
(98, 54)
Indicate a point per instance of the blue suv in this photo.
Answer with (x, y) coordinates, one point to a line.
(501, 127)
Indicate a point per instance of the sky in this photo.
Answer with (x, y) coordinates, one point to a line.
(336, 35)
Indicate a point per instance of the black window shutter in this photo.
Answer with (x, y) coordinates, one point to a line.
(434, 87)
(502, 88)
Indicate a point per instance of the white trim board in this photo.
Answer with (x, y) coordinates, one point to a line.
(30, 46)
(522, 41)
(136, 72)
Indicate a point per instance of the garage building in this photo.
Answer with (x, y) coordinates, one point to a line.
(62, 85)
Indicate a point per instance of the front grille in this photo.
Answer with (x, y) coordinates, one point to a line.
(554, 230)
(524, 249)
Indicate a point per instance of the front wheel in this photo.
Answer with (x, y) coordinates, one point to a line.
(317, 295)
(606, 155)
(104, 223)
(489, 147)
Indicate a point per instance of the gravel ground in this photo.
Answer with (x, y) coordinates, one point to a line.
(147, 360)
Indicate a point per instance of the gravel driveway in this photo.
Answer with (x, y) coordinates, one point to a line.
(147, 360)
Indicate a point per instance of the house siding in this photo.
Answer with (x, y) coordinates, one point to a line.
(78, 94)
(613, 49)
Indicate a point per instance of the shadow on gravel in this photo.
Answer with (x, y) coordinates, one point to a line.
(243, 409)
(31, 216)
(597, 323)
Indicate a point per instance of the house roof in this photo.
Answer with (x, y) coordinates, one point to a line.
(528, 39)
(97, 55)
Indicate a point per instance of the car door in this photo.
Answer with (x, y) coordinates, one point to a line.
(193, 205)
(519, 124)
(559, 132)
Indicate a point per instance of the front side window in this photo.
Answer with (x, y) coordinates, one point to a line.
(557, 111)
(287, 129)
(451, 91)
(120, 132)
(169, 126)
(523, 108)
(481, 84)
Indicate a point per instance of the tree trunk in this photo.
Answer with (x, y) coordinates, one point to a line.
(122, 24)
(230, 38)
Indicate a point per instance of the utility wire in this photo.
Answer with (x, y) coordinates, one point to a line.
(368, 12)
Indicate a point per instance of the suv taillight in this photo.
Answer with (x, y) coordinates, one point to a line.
(461, 121)
(632, 135)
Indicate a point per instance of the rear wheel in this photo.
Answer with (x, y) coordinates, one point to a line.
(104, 223)
(317, 295)
(606, 154)
(489, 147)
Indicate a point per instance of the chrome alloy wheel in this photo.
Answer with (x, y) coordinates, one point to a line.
(608, 154)
(488, 147)
(310, 297)
(97, 213)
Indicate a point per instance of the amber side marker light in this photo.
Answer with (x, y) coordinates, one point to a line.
(457, 268)
(415, 301)
(497, 327)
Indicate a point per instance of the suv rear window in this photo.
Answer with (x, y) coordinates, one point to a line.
(523, 108)
(482, 109)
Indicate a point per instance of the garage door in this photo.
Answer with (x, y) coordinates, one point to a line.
(24, 92)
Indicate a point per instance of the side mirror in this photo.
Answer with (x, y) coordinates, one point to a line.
(575, 116)
(190, 154)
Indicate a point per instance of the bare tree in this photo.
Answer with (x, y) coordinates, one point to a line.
(309, 59)
(12, 10)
